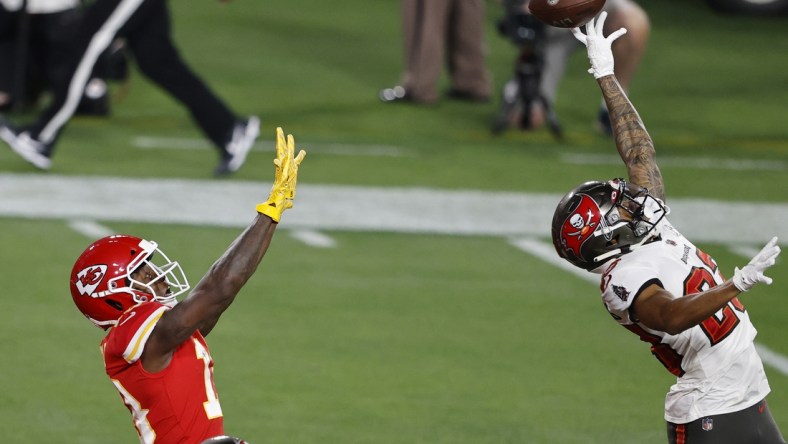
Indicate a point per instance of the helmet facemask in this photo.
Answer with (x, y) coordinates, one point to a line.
(598, 221)
(631, 221)
(162, 270)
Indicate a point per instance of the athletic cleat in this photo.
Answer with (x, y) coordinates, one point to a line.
(26, 146)
(243, 137)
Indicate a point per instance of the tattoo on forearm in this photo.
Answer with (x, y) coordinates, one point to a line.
(632, 140)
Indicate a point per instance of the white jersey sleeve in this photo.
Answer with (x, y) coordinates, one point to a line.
(718, 370)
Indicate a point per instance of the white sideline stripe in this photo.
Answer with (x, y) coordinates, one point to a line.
(704, 163)
(90, 228)
(349, 208)
(313, 238)
(180, 143)
(546, 252)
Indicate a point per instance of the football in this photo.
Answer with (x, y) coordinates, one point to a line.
(565, 13)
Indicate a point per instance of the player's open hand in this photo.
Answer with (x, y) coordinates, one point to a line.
(599, 47)
(752, 273)
(285, 177)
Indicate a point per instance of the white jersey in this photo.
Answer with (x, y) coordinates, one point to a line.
(717, 367)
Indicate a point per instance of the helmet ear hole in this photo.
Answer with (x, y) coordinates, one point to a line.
(114, 304)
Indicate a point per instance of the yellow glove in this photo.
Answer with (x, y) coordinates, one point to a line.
(286, 174)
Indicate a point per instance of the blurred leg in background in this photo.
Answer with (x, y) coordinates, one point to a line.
(438, 34)
(36, 45)
(145, 25)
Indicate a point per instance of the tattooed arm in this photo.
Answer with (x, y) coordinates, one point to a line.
(633, 142)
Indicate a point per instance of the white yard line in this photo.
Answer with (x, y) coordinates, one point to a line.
(313, 238)
(547, 253)
(704, 163)
(774, 359)
(89, 228)
(183, 143)
(186, 143)
(746, 251)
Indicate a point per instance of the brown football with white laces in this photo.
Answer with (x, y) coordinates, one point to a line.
(565, 13)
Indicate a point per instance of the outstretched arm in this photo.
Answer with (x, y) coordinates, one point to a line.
(633, 142)
(659, 310)
(220, 285)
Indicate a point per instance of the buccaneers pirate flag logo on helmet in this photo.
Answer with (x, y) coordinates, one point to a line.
(578, 227)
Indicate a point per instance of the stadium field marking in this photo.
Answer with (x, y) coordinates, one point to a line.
(350, 208)
(521, 217)
(180, 143)
(773, 358)
(546, 253)
(89, 228)
(745, 251)
(313, 238)
(704, 163)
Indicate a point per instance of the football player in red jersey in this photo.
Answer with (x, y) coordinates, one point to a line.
(155, 351)
(660, 286)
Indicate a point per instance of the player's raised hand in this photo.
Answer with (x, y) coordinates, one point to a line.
(752, 273)
(285, 177)
(599, 47)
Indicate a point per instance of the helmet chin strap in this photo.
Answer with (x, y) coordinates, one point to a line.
(627, 248)
(652, 232)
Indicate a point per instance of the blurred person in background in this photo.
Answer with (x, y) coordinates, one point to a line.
(438, 33)
(154, 351)
(556, 45)
(629, 52)
(36, 43)
(145, 26)
(661, 287)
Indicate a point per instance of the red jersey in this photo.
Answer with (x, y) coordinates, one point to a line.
(176, 405)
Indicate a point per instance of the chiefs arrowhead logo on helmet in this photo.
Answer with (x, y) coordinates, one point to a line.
(89, 279)
(581, 224)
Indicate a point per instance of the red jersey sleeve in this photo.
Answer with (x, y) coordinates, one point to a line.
(127, 339)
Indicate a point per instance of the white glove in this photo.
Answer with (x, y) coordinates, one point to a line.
(599, 47)
(752, 273)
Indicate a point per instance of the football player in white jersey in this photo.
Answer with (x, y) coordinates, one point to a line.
(661, 287)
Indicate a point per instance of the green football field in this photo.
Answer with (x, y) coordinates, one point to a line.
(389, 310)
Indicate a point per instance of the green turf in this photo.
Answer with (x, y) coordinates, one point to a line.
(388, 338)
(393, 338)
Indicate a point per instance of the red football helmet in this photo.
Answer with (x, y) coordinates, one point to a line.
(101, 282)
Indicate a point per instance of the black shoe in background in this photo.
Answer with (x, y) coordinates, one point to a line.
(457, 94)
